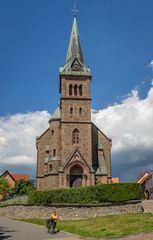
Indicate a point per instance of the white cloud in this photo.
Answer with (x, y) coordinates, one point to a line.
(17, 140)
(129, 124)
(151, 64)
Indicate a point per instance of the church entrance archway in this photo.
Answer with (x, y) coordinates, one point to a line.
(76, 176)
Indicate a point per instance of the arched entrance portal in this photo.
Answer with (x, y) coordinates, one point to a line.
(76, 176)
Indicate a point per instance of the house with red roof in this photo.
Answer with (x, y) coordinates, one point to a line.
(115, 180)
(13, 177)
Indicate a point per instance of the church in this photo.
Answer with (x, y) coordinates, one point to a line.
(73, 152)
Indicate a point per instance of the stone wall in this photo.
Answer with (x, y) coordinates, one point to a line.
(70, 212)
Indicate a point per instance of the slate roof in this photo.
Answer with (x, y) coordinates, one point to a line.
(56, 114)
(74, 48)
(74, 53)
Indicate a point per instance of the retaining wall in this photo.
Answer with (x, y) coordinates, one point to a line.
(68, 212)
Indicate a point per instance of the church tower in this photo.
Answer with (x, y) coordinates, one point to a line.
(73, 151)
(75, 107)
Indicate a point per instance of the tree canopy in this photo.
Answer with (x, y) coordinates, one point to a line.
(22, 186)
(4, 186)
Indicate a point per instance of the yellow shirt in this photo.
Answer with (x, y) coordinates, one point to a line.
(54, 217)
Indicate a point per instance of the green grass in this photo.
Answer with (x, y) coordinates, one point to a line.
(107, 226)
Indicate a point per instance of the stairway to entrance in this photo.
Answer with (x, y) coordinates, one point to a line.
(147, 205)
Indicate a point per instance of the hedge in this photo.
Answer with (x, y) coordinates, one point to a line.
(110, 193)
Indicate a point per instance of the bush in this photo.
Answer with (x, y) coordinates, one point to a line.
(4, 186)
(23, 187)
(110, 193)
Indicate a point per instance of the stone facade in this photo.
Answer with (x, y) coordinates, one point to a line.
(68, 212)
(73, 151)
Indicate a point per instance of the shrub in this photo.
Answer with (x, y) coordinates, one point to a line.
(23, 187)
(4, 186)
(110, 193)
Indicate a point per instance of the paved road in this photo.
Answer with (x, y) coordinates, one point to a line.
(16, 230)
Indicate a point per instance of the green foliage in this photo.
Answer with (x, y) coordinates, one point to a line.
(104, 193)
(22, 186)
(4, 186)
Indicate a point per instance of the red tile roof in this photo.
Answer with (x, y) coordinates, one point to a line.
(115, 180)
(20, 176)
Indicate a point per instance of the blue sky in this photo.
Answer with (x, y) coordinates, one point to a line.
(117, 42)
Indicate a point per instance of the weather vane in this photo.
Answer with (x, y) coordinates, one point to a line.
(74, 10)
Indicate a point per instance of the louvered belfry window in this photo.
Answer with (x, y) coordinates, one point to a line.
(75, 136)
(75, 90)
(70, 90)
(80, 90)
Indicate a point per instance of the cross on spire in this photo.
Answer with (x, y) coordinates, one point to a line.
(74, 10)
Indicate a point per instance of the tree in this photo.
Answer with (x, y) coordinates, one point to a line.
(22, 186)
(4, 186)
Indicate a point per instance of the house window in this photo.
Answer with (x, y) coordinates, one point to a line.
(54, 152)
(75, 90)
(50, 167)
(71, 110)
(70, 89)
(80, 111)
(75, 136)
(80, 90)
(52, 132)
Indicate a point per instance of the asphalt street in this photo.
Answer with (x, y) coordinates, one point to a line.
(16, 230)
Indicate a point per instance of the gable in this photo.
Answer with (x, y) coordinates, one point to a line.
(7, 175)
(76, 66)
(43, 134)
(101, 133)
(75, 156)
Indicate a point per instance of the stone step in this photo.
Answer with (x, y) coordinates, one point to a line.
(148, 206)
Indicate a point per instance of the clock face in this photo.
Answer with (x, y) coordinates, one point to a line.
(76, 67)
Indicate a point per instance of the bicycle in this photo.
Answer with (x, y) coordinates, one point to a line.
(50, 226)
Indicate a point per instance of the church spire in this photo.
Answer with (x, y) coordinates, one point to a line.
(74, 60)
(74, 48)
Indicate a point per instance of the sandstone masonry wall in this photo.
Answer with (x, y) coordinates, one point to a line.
(67, 212)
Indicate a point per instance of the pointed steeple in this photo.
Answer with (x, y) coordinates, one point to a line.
(74, 48)
(74, 60)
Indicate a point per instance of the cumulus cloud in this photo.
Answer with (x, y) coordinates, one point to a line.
(129, 124)
(151, 64)
(17, 140)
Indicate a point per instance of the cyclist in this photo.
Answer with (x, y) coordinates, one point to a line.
(53, 219)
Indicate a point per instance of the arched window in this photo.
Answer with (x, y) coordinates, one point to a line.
(80, 90)
(70, 89)
(80, 111)
(75, 90)
(54, 152)
(75, 136)
(52, 132)
(71, 110)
